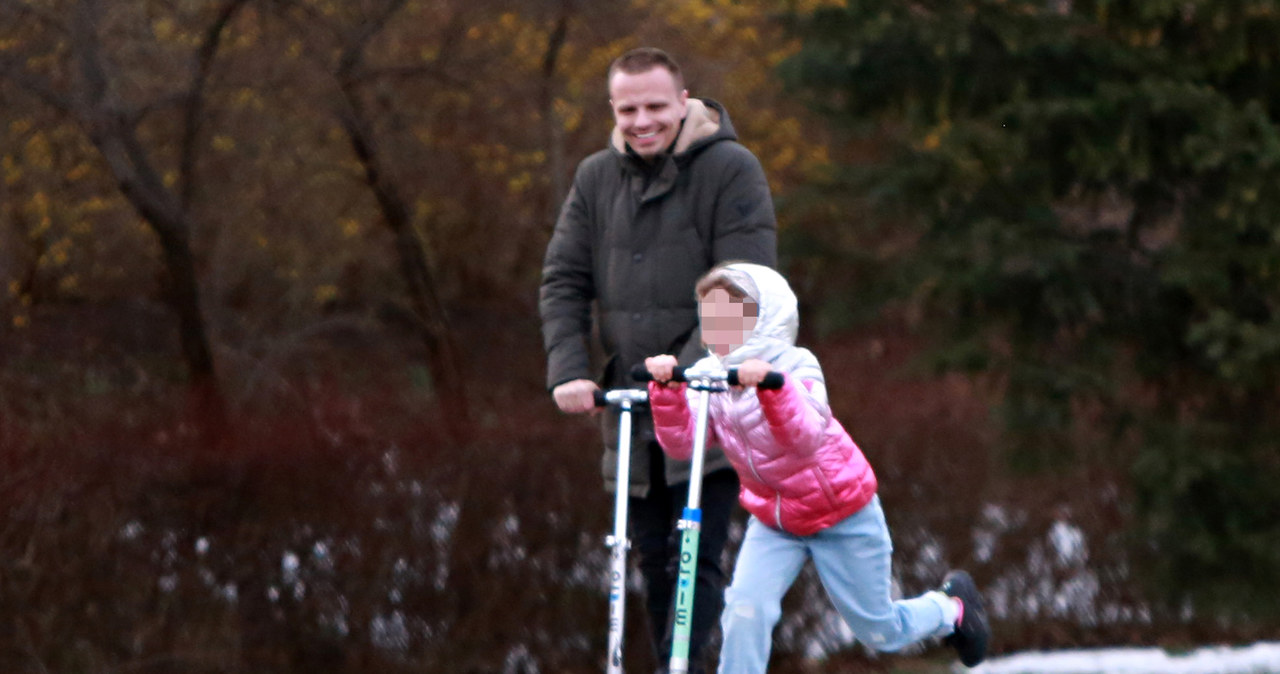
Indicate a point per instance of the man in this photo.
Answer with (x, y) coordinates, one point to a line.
(672, 195)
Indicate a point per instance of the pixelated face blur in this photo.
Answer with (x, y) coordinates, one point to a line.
(727, 322)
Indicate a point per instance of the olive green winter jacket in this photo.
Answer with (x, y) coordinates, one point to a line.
(632, 239)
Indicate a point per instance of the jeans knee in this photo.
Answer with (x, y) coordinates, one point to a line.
(740, 607)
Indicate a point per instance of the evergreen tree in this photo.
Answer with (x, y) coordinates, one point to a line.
(1088, 192)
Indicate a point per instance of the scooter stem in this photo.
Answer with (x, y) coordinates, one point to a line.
(691, 524)
(618, 542)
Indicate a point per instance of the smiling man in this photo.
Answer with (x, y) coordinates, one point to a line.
(649, 109)
(672, 195)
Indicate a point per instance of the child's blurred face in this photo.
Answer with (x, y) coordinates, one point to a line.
(727, 322)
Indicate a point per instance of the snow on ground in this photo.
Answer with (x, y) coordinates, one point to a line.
(1260, 658)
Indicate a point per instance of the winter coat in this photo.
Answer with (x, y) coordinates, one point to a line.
(631, 240)
(800, 470)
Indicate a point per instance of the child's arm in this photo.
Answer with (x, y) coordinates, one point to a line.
(795, 423)
(673, 423)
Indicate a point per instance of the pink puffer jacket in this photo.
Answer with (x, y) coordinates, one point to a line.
(800, 470)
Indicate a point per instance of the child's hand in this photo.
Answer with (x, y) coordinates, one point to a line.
(661, 368)
(752, 372)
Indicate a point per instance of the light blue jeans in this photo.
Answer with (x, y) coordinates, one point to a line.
(853, 561)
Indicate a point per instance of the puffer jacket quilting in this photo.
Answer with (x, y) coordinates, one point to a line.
(800, 470)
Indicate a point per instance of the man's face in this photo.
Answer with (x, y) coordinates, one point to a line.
(727, 322)
(647, 108)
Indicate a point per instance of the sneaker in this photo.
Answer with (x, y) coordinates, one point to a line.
(972, 630)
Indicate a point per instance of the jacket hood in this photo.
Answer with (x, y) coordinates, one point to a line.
(779, 320)
(705, 121)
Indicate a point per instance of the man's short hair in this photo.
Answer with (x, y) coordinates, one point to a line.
(644, 59)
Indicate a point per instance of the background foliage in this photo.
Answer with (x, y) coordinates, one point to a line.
(1082, 189)
(270, 374)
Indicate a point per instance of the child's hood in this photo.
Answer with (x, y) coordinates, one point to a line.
(779, 319)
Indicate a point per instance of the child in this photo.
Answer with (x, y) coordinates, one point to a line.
(808, 488)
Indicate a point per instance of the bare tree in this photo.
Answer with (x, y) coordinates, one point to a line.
(354, 79)
(90, 94)
(432, 319)
(553, 125)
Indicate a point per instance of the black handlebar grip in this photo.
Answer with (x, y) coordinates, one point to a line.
(598, 396)
(773, 380)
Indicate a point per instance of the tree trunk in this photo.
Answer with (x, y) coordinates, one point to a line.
(554, 126)
(112, 131)
(432, 319)
(437, 335)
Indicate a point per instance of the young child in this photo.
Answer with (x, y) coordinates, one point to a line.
(808, 488)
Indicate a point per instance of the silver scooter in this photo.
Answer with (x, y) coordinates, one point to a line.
(618, 543)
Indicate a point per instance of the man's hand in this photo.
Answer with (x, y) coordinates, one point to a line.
(661, 368)
(751, 372)
(576, 396)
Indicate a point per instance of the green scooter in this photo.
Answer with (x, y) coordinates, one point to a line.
(705, 382)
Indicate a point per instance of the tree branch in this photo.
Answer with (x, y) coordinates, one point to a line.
(428, 308)
(194, 111)
(353, 54)
(12, 70)
(114, 133)
(26, 9)
(409, 72)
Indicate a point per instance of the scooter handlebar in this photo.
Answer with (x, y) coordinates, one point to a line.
(773, 380)
(617, 396)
